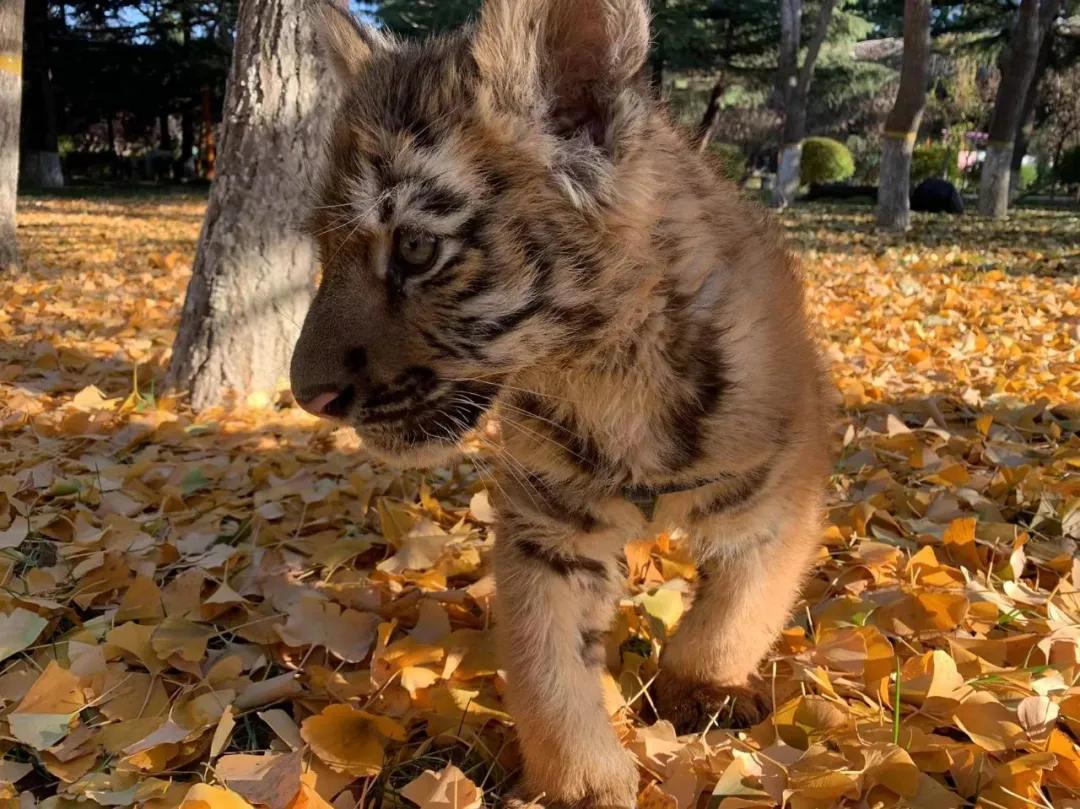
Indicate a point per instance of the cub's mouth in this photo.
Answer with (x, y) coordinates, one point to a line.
(416, 430)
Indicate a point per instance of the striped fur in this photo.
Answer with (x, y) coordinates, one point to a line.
(630, 321)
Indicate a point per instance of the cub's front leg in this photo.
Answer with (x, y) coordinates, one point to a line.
(557, 585)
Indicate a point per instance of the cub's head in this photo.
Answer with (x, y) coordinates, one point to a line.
(459, 211)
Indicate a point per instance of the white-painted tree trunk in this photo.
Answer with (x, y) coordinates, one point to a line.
(995, 180)
(1033, 21)
(787, 176)
(902, 125)
(11, 32)
(254, 271)
(894, 188)
(41, 169)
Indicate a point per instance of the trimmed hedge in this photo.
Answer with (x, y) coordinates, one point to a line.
(934, 161)
(825, 160)
(729, 160)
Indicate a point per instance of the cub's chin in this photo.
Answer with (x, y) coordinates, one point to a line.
(410, 455)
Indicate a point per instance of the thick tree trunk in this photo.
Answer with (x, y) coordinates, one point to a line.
(11, 30)
(1018, 69)
(894, 188)
(795, 92)
(254, 272)
(902, 125)
(711, 117)
(40, 163)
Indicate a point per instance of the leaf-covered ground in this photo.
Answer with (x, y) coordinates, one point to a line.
(237, 609)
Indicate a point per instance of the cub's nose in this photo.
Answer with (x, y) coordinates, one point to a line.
(331, 404)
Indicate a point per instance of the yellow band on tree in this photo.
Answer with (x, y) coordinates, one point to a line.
(895, 135)
(11, 63)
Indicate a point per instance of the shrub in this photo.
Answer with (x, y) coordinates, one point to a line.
(729, 160)
(937, 160)
(1068, 167)
(866, 152)
(1029, 176)
(825, 160)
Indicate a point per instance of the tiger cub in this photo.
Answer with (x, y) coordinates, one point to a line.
(510, 225)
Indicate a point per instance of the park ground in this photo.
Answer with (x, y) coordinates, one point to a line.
(235, 608)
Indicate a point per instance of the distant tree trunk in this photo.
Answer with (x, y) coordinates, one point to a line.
(254, 272)
(1027, 117)
(165, 142)
(787, 182)
(711, 117)
(902, 125)
(40, 162)
(1017, 71)
(794, 88)
(11, 30)
(187, 144)
(207, 144)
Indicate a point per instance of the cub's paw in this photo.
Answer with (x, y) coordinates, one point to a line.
(690, 705)
(611, 787)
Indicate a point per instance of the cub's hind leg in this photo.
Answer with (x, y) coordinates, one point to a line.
(556, 591)
(748, 585)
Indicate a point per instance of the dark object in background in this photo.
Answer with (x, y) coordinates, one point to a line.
(937, 196)
(841, 191)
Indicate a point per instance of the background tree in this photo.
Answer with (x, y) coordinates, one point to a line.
(1018, 65)
(11, 32)
(793, 87)
(254, 271)
(1059, 111)
(902, 125)
(40, 156)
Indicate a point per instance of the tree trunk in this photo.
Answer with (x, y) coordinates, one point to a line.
(40, 163)
(184, 165)
(1027, 117)
(165, 142)
(711, 117)
(11, 30)
(902, 125)
(254, 272)
(795, 92)
(1018, 69)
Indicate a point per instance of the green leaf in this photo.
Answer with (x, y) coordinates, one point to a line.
(18, 631)
(194, 481)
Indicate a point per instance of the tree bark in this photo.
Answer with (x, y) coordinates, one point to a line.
(11, 30)
(185, 163)
(1027, 117)
(795, 92)
(711, 117)
(1018, 70)
(254, 272)
(902, 125)
(40, 162)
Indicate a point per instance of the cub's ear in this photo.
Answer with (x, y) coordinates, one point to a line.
(343, 41)
(580, 52)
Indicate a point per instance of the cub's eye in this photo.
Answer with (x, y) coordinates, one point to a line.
(415, 251)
